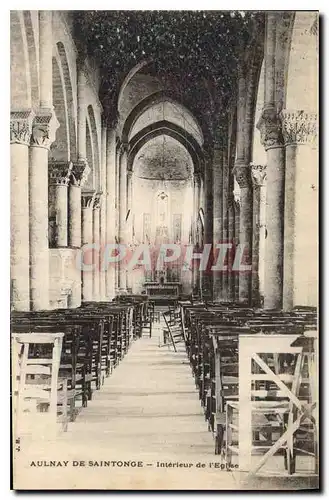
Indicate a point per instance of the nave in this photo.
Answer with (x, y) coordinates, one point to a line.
(165, 159)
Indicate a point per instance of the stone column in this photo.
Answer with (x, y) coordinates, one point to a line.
(225, 236)
(87, 201)
(110, 206)
(59, 177)
(81, 98)
(129, 232)
(45, 58)
(217, 216)
(79, 175)
(271, 137)
(20, 135)
(269, 57)
(117, 210)
(300, 209)
(96, 241)
(196, 206)
(122, 216)
(237, 211)
(258, 174)
(206, 276)
(243, 177)
(231, 239)
(241, 171)
(103, 220)
(129, 189)
(43, 134)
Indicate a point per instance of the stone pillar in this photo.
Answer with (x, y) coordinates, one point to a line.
(300, 209)
(129, 231)
(122, 216)
(45, 58)
(241, 171)
(43, 134)
(96, 241)
(225, 236)
(271, 138)
(195, 202)
(217, 216)
(20, 135)
(103, 220)
(237, 211)
(59, 177)
(269, 57)
(258, 174)
(129, 189)
(196, 206)
(231, 238)
(243, 177)
(81, 98)
(110, 206)
(87, 201)
(79, 174)
(206, 276)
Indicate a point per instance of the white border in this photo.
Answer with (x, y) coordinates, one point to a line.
(322, 6)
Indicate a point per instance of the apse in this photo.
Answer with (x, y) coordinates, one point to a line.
(163, 203)
(163, 158)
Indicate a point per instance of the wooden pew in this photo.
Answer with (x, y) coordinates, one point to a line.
(82, 347)
(215, 367)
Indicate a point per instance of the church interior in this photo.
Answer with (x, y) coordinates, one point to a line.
(193, 132)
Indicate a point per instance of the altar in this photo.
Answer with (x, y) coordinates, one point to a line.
(168, 290)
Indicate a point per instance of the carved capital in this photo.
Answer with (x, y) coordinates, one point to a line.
(258, 174)
(87, 199)
(242, 174)
(97, 200)
(79, 173)
(44, 129)
(59, 172)
(21, 127)
(299, 127)
(270, 129)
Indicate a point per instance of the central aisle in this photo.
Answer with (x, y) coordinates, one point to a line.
(147, 411)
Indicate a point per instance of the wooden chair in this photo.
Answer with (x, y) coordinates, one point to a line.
(37, 389)
(277, 413)
(173, 331)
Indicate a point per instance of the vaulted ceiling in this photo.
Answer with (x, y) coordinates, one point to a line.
(192, 55)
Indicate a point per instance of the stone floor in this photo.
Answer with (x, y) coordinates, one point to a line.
(146, 423)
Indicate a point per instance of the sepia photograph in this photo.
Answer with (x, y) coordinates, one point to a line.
(164, 243)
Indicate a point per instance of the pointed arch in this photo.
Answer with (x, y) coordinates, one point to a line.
(72, 128)
(33, 57)
(166, 128)
(20, 81)
(130, 76)
(152, 100)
